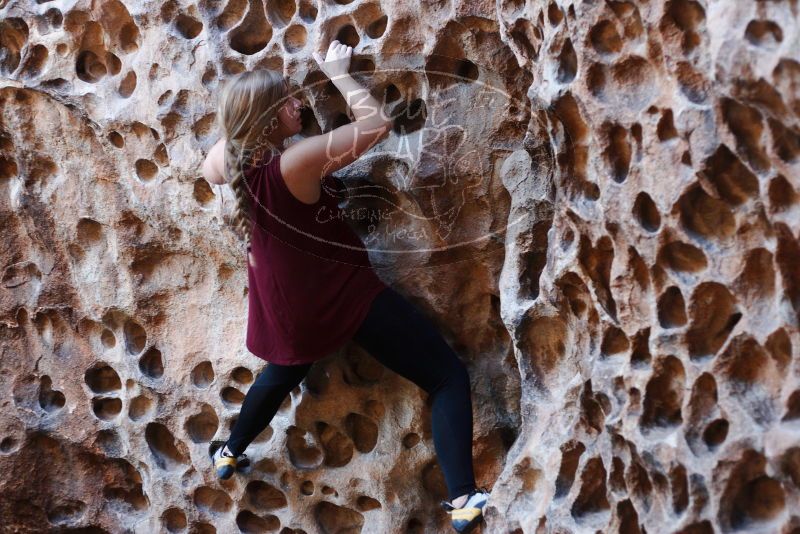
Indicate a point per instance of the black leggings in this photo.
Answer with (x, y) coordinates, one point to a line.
(404, 340)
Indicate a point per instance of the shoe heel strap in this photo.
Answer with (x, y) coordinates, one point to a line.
(224, 460)
(465, 513)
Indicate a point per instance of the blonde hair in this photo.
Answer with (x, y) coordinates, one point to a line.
(248, 113)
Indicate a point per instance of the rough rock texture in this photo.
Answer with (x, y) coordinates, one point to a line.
(611, 244)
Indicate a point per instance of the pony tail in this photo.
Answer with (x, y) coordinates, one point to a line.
(246, 113)
(233, 168)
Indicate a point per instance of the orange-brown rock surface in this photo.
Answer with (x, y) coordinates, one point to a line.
(598, 202)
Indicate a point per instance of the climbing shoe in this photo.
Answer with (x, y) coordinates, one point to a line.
(225, 462)
(466, 518)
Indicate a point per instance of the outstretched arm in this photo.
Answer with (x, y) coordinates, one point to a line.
(305, 163)
(213, 166)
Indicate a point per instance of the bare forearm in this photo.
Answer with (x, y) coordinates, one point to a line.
(359, 100)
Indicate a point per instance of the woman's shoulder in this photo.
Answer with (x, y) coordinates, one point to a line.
(294, 160)
(256, 163)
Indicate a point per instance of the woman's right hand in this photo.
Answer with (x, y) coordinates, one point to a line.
(337, 60)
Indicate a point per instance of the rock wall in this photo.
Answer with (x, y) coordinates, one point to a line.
(596, 202)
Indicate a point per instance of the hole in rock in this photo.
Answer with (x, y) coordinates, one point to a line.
(411, 439)
(188, 26)
(785, 141)
(348, 35)
(333, 518)
(250, 523)
(242, 375)
(757, 278)
(337, 447)
(363, 431)
(376, 28)
(664, 395)
(704, 216)
(592, 496)
(712, 315)
(231, 396)
(692, 84)
(89, 67)
(618, 152)
(35, 61)
(201, 427)
(409, 118)
(264, 496)
(646, 212)
(302, 452)
(567, 63)
(747, 126)
(682, 257)
(169, 454)
(212, 501)
(764, 33)
(715, 433)
(666, 127)
(106, 408)
(280, 12)
(596, 261)
(671, 308)
(614, 342)
(8, 445)
(365, 504)
(202, 374)
(174, 519)
(753, 497)
(129, 37)
(89, 231)
(102, 378)
(317, 380)
(203, 193)
(66, 511)
(140, 407)
(146, 170)
(307, 11)
(792, 406)
(640, 355)
(50, 399)
(554, 14)
(733, 180)
(570, 457)
(294, 39)
(605, 38)
(151, 364)
(252, 35)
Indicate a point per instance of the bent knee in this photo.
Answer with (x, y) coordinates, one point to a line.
(455, 374)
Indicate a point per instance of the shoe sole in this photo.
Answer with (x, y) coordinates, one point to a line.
(473, 523)
(469, 527)
(225, 472)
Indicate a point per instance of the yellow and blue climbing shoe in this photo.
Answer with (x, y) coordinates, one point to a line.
(224, 461)
(466, 518)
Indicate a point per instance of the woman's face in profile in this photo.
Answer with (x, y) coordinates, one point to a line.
(289, 112)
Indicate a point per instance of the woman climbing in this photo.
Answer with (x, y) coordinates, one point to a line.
(311, 285)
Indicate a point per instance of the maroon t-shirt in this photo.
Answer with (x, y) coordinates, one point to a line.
(310, 281)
